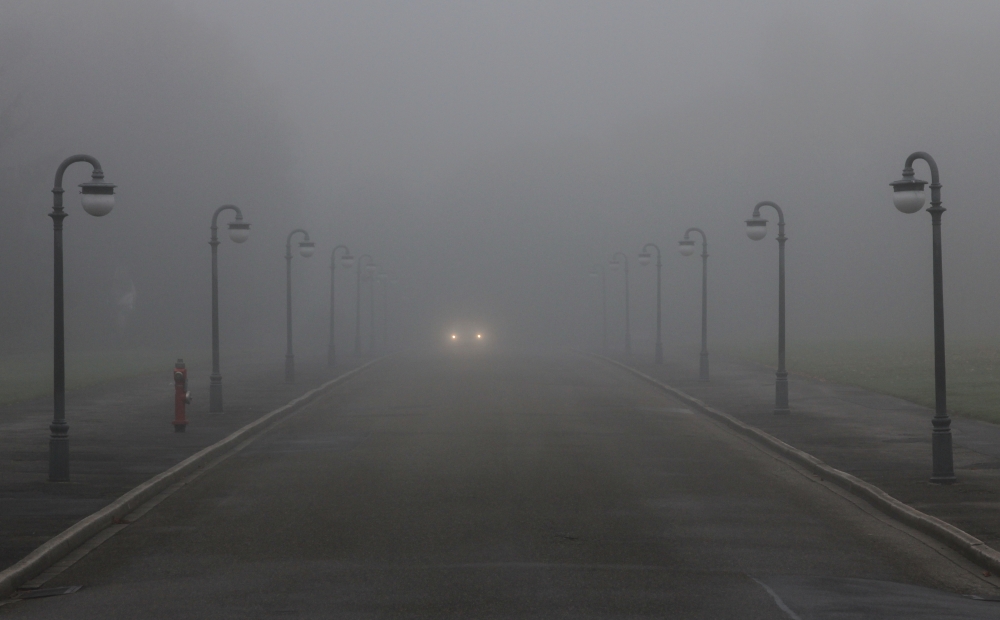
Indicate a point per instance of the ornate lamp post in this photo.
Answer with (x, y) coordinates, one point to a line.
(347, 261)
(644, 258)
(757, 230)
(239, 231)
(908, 196)
(615, 263)
(599, 272)
(367, 266)
(306, 249)
(97, 198)
(687, 249)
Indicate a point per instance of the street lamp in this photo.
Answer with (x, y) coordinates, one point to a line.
(644, 258)
(239, 231)
(347, 261)
(757, 230)
(306, 249)
(97, 198)
(614, 267)
(357, 299)
(687, 249)
(599, 272)
(383, 279)
(908, 196)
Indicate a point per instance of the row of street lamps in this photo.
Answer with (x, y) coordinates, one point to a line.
(620, 259)
(908, 197)
(97, 198)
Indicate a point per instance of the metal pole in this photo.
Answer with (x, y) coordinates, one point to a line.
(289, 356)
(357, 304)
(703, 361)
(371, 313)
(659, 264)
(781, 376)
(331, 351)
(604, 309)
(59, 429)
(215, 379)
(941, 448)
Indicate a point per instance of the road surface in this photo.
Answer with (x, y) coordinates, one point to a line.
(510, 485)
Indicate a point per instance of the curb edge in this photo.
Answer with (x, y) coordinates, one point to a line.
(60, 545)
(968, 545)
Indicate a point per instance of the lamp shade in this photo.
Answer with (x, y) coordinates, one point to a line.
(686, 247)
(644, 258)
(307, 248)
(97, 197)
(239, 231)
(370, 268)
(908, 193)
(346, 261)
(756, 228)
(615, 264)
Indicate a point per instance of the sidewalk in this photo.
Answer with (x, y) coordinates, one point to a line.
(121, 434)
(883, 440)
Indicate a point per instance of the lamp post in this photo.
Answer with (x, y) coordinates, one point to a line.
(306, 249)
(347, 261)
(757, 230)
(687, 249)
(97, 198)
(370, 277)
(239, 231)
(357, 300)
(599, 272)
(614, 267)
(908, 196)
(383, 279)
(644, 258)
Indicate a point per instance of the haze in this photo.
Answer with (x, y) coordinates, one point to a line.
(488, 155)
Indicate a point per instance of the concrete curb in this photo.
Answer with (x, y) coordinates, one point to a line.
(62, 544)
(959, 540)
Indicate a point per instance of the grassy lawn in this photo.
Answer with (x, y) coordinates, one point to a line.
(897, 368)
(28, 376)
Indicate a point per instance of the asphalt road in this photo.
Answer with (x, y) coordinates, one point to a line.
(510, 485)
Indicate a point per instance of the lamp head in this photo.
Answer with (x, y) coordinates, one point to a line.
(644, 258)
(307, 248)
(908, 193)
(756, 228)
(97, 197)
(686, 247)
(347, 261)
(615, 264)
(370, 268)
(239, 231)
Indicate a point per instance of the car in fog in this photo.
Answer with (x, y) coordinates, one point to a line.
(463, 336)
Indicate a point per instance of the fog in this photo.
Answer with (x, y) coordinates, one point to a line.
(489, 155)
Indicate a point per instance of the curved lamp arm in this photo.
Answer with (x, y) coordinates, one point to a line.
(215, 220)
(288, 241)
(333, 255)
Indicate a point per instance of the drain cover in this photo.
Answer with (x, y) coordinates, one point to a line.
(43, 592)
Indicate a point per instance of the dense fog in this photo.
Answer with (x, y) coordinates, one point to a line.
(488, 156)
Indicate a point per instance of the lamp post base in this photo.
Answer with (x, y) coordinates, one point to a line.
(59, 459)
(215, 394)
(289, 369)
(781, 394)
(944, 468)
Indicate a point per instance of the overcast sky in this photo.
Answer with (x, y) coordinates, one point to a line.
(490, 153)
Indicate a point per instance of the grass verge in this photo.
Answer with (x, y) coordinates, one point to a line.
(900, 369)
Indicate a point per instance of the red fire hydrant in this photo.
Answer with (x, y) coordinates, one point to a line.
(181, 396)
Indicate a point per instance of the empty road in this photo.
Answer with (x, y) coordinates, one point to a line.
(467, 484)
